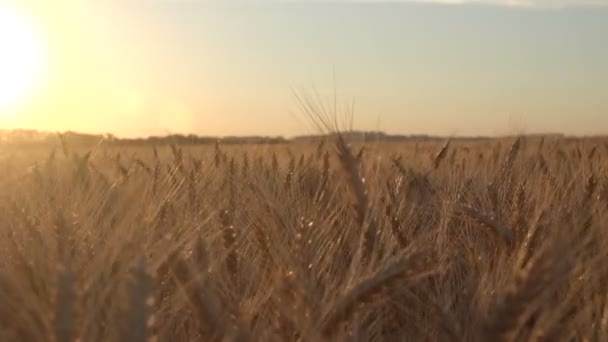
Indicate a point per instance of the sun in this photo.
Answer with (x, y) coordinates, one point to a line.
(22, 58)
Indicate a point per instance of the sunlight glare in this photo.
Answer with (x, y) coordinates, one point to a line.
(22, 58)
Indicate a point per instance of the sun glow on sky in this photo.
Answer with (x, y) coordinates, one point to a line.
(22, 59)
(216, 67)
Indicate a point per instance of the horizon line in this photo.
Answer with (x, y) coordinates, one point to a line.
(4, 131)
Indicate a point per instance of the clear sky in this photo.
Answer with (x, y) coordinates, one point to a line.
(452, 67)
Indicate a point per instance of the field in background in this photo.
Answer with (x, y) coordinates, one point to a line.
(484, 240)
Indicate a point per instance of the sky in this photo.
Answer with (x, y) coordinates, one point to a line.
(445, 67)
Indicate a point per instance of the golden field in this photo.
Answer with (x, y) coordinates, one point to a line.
(471, 240)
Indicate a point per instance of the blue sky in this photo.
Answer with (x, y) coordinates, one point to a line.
(439, 67)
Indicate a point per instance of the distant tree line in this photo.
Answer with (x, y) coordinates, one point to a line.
(34, 137)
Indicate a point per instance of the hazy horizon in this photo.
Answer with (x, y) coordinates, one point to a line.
(446, 67)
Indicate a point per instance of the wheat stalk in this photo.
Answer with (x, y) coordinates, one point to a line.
(405, 268)
(140, 316)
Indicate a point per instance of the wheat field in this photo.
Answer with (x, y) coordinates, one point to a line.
(480, 240)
